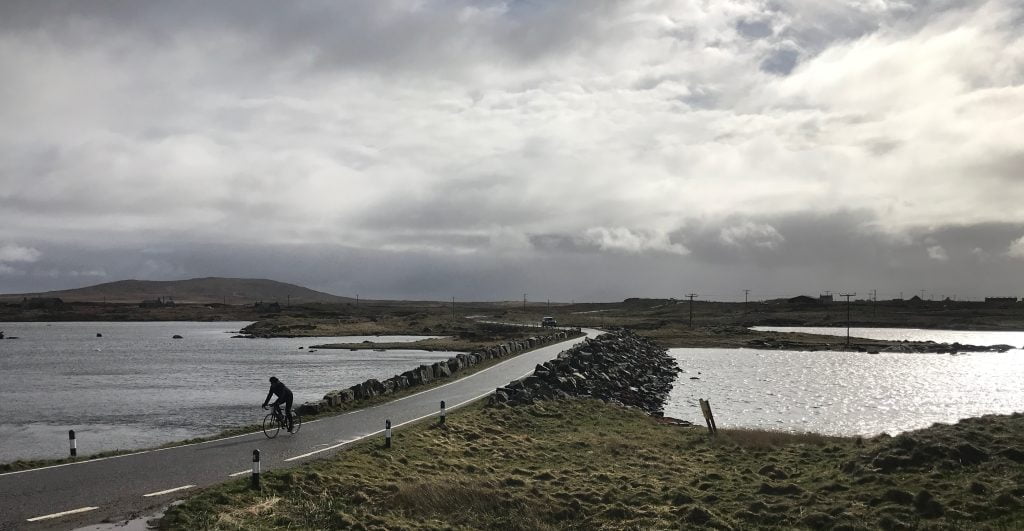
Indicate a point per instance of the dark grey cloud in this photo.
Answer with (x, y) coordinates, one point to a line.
(781, 61)
(583, 149)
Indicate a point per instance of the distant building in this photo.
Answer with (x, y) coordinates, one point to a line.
(158, 302)
(272, 307)
(825, 299)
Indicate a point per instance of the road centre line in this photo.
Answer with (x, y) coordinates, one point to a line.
(168, 491)
(62, 513)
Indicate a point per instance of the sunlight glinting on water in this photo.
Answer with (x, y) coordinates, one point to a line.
(844, 393)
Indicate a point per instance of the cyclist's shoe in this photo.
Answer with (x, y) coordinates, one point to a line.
(291, 429)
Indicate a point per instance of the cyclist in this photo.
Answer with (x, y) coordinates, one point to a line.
(277, 387)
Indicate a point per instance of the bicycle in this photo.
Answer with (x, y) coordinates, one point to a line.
(275, 421)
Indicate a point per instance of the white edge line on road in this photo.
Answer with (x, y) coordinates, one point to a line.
(168, 491)
(98, 459)
(236, 474)
(63, 513)
(368, 435)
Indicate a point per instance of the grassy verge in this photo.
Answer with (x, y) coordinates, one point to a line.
(241, 430)
(587, 465)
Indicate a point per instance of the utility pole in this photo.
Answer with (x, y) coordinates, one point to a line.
(847, 295)
(289, 301)
(874, 303)
(691, 296)
(357, 300)
(524, 302)
(746, 292)
(453, 309)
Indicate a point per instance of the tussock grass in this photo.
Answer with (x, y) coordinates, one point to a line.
(751, 438)
(584, 465)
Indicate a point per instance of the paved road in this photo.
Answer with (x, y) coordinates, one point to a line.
(116, 487)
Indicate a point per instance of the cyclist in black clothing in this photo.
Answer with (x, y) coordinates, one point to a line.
(277, 387)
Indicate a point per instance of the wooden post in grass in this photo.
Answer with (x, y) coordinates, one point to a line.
(709, 417)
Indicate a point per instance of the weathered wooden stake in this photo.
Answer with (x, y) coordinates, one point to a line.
(387, 433)
(256, 470)
(73, 443)
(442, 414)
(709, 418)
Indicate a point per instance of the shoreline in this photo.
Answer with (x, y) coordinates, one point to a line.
(581, 443)
(338, 408)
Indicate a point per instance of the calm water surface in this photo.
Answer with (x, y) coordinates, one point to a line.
(137, 387)
(844, 393)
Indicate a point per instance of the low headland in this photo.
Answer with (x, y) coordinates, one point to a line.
(580, 445)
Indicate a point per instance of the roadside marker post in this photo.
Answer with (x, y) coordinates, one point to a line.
(442, 420)
(255, 470)
(387, 433)
(72, 443)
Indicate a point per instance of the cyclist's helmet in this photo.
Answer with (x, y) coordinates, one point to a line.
(273, 379)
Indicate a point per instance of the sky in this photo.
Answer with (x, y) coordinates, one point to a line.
(587, 150)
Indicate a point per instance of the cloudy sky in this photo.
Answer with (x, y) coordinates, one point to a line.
(575, 150)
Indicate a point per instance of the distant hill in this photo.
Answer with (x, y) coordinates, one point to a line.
(196, 290)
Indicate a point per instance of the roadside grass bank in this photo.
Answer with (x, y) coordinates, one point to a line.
(583, 464)
(343, 408)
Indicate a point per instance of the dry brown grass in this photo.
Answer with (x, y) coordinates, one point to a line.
(750, 438)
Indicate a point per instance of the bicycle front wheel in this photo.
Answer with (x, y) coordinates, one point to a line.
(270, 426)
(296, 423)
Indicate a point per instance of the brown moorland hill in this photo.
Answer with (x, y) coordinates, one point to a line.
(195, 290)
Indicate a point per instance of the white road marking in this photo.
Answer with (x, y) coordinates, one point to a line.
(236, 474)
(168, 491)
(63, 513)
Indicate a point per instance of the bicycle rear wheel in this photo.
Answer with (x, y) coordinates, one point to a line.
(271, 426)
(296, 423)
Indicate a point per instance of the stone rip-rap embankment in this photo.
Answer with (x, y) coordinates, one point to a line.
(425, 374)
(618, 367)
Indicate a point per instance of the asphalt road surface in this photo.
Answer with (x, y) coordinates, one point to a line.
(115, 488)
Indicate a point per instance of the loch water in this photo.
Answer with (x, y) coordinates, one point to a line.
(851, 393)
(131, 385)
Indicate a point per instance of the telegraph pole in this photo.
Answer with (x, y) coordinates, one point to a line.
(524, 302)
(691, 296)
(847, 295)
(746, 292)
(453, 309)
